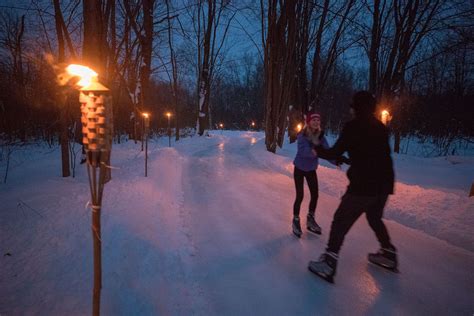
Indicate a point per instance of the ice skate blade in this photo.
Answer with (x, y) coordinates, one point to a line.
(323, 276)
(297, 234)
(314, 231)
(386, 268)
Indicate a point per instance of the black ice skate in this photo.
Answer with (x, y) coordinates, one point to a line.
(386, 258)
(312, 226)
(297, 227)
(326, 266)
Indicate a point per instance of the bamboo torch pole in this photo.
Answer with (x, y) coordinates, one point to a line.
(97, 139)
(97, 127)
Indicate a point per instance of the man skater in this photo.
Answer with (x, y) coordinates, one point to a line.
(371, 180)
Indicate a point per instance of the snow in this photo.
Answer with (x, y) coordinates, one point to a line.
(208, 233)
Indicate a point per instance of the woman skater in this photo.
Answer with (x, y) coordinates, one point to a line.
(306, 163)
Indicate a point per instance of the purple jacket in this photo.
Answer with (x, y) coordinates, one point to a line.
(305, 159)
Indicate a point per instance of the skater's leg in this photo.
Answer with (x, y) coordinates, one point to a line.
(312, 180)
(298, 176)
(347, 213)
(351, 207)
(374, 215)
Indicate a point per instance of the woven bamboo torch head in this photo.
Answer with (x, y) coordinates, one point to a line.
(96, 118)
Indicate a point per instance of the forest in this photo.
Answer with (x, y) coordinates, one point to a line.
(238, 65)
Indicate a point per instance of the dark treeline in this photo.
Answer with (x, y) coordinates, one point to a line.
(185, 57)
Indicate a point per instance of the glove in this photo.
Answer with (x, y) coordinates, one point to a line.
(342, 159)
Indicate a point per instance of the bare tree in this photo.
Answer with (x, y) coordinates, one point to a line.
(322, 67)
(63, 136)
(12, 30)
(174, 69)
(279, 62)
(211, 20)
(398, 27)
(299, 96)
(321, 29)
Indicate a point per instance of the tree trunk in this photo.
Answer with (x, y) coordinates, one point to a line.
(205, 79)
(374, 47)
(94, 51)
(280, 68)
(147, 47)
(316, 64)
(174, 68)
(63, 126)
(396, 145)
(299, 95)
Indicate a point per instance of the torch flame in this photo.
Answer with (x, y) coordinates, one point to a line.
(145, 115)
(385, 117)
(299, 127)
(85, 73)
(168, 114)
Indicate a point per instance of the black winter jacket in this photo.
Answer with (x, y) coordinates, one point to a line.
(366, 140)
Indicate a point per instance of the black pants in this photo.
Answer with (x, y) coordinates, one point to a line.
(351, 207)
(312, 180)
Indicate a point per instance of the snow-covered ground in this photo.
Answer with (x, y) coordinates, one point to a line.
(208, 233)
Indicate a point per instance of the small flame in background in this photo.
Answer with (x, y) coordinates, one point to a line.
(85, 73)
(385, 117)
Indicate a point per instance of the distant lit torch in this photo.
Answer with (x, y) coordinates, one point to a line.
(168, 115)
(97, 139)
(385, 117)
(299, 127)
(146, 118)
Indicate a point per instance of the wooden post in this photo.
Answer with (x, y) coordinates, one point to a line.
(97, 259)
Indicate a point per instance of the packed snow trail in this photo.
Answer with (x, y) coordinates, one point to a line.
(208, 232)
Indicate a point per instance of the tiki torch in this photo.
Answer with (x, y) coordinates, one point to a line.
(146, 118)
(168, 114)
(97, 139)
(221, 126)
